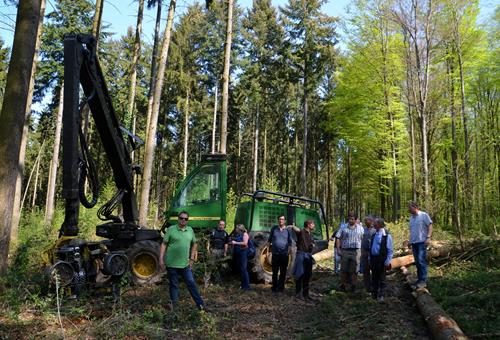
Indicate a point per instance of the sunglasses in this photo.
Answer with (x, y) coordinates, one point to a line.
(184, 218)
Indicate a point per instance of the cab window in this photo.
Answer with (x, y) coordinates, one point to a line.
(202, 188)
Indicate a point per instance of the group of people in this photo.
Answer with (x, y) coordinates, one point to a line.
(367, 249)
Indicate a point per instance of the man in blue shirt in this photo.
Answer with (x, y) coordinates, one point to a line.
(420, 238)
(381, 251)
(280, 240)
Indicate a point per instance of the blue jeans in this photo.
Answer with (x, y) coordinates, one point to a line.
(241, 258)
(173, 282)
(336, 261)
(419, 254)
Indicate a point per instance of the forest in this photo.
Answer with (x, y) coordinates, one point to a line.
(394, 102)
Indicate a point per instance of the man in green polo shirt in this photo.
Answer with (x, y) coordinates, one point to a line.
(178, 253)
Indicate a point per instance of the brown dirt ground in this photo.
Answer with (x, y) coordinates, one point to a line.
(144, 313)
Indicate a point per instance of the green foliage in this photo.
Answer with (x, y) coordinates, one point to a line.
(68, 16)
(232, 203)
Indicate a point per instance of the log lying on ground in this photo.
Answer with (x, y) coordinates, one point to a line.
(323, 255)
(440, 324)
(438, 249)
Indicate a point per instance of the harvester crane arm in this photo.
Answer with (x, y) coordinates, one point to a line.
(81, 67)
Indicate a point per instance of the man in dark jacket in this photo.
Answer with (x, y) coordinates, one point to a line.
(381, 251)
(302, 269)
(281, 241)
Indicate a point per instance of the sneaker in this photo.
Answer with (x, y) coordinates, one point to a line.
(298, 296)
(380, 299)
(342, 288)
(353, 289)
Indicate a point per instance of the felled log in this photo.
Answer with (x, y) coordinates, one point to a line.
(438, 249)
(441, 325)
(323, 255)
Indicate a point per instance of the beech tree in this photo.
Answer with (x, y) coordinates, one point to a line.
(14, 113)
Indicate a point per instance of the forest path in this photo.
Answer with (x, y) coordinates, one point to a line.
(144, 313)
(337, 315)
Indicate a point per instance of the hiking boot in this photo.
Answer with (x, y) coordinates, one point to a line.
(421, 284)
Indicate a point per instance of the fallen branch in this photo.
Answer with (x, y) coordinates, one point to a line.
(477, 253)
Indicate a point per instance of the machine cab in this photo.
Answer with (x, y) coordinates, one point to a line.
(202, 194)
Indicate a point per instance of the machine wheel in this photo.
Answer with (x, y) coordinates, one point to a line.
(144, 262)
(261, 264)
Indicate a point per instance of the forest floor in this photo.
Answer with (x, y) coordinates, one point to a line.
(469, 294)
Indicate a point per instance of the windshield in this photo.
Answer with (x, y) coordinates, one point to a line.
(203, 187)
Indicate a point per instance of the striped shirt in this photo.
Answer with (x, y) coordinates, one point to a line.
(351, 237)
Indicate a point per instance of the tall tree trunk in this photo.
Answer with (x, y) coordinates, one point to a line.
(256, 153)
(348, 181)
(329, 203)
(150, 141)
(35, 186)
(304, 148)
(133, 68)
(186, 134)
(264, 158)
(296, 170)
(455, 215)
(13, 114)
(51, 183)
(154, 66)
(36, 166)
(16, 212)
(214, 122)
(225, 77)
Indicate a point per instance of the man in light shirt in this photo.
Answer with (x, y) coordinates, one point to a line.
(349, 247)
(420, 238)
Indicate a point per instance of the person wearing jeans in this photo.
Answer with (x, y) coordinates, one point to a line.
(240, 254)
(420, 238)
(178, 253)
(187, 276)
(281, 241)
(303, 260)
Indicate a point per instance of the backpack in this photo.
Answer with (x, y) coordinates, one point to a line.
(251, 249)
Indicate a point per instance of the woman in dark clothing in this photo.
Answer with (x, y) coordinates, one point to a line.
(303, 260)
(240, 254)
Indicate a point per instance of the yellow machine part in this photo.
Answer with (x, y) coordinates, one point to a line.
(48, 256)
